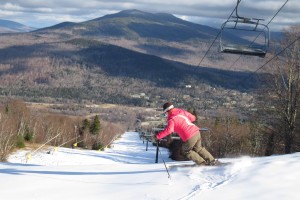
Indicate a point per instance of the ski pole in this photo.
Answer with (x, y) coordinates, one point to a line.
(157, 150)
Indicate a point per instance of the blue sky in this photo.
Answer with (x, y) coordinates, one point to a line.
(43, 13)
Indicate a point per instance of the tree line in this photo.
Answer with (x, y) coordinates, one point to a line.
(20, 126)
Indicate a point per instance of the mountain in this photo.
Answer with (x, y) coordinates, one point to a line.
(159, 34)
(133, 24)
(7, 26)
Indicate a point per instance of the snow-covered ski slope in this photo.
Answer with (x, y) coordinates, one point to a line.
(128, 171)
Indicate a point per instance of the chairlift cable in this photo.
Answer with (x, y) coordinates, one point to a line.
(282, 76)
(288, 46)
(276, 56)
(259, 33)
(278, 12)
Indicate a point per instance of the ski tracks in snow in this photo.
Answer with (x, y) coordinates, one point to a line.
(210, 178)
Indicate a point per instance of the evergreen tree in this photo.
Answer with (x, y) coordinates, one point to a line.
(85, 124)
(95, 126)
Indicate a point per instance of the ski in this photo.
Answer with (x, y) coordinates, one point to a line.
(192, 165)
(182, 166)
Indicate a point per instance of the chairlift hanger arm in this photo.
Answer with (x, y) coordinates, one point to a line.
(236, 8)
(245, 19)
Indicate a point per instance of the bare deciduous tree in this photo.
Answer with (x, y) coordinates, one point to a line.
(285, 89)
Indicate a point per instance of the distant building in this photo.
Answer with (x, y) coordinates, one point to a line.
(136, 96)
(186, 96)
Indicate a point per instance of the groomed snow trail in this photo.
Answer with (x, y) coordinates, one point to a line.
(128, 171)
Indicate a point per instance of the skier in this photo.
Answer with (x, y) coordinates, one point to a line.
(180, 121)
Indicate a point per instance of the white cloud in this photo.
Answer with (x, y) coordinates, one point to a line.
(10, 6)
(43, 10)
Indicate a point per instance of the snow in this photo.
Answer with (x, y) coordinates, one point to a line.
(128, 171)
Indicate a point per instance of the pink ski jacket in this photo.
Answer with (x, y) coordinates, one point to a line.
(180, 121)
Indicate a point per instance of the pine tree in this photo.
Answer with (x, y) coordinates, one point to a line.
(95, 126)
(95, 130)
(85, 124)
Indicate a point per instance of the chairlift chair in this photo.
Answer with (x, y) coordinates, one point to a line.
(250, 36)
